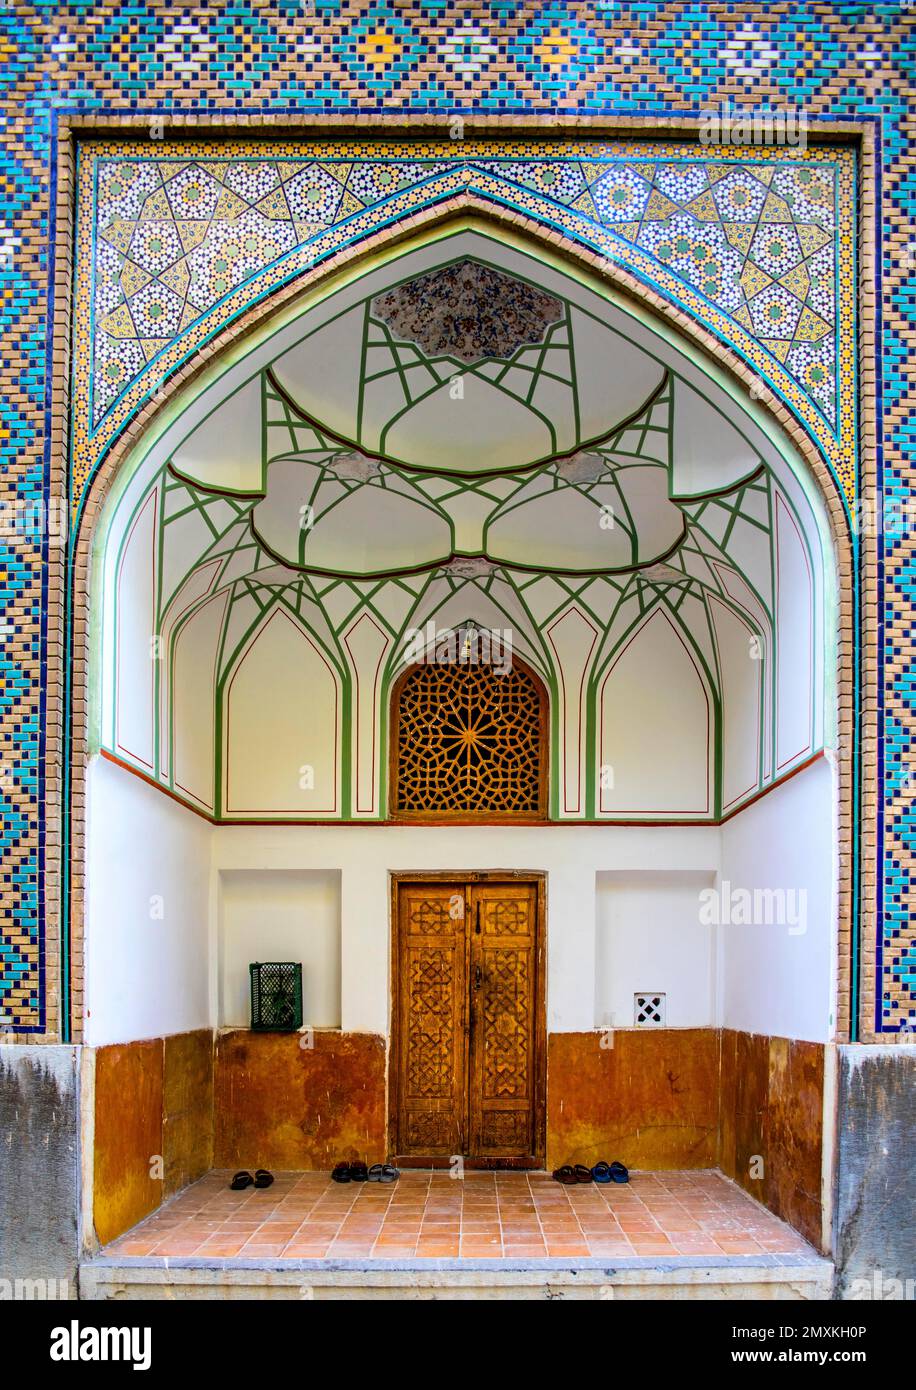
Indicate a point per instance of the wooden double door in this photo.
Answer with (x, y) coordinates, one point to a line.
(468, 1027)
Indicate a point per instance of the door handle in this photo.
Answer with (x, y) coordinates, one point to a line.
(478, 976)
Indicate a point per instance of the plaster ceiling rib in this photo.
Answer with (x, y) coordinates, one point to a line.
(235, 493)
(595, 441)
(458, 556)
(686, 498)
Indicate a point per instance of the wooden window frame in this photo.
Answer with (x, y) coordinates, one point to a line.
(464, 817)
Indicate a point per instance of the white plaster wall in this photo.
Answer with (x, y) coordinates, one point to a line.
(795, 672)
(570, 856)
(775, 978)
(288, 915)
(650, 938)
(621, 903)
(135, 668)
(147, 909)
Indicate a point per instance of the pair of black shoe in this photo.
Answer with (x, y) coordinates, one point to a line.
(358, 1172)
(244, 1179)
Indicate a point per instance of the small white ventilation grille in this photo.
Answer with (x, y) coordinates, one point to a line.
(649, 1010)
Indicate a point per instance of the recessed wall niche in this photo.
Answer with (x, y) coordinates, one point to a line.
(280, 914)
(649, 937)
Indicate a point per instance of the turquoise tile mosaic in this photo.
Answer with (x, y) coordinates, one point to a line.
(374, 58)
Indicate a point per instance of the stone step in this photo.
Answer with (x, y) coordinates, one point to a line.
(734, 1277)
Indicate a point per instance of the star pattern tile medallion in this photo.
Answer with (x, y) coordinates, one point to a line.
(756, 246)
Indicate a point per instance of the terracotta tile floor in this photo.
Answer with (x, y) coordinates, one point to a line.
(487, 1215)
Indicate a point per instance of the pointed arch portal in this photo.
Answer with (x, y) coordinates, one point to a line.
(462, 432)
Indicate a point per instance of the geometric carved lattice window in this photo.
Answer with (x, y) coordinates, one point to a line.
(469, 741)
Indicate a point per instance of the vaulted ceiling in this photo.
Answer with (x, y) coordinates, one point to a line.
(465, 411)
(466, 432)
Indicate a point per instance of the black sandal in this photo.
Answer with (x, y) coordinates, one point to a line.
(262, 1178)
(341, 1173)
(359, 1172)
(565, 1175)
(241, 1181)
(583, 1174)
(383, 1172)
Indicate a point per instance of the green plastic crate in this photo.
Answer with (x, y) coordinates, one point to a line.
(276, 996)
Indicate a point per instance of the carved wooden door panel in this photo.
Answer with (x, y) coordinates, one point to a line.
(432, 1023)
(467, 1073)
(503, 1035)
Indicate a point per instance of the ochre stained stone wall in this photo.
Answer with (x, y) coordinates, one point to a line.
(128, 1135)
(187, 1108)
(772, 1124)
(153, 1125)
(651, 1100)
(695, 1098)
(656, 1099)
(280, 1105)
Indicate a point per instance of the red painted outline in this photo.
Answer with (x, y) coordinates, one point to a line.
(725, 572)
(656, 613)
(756, 782)
(214, 598)
(304, 821)
(562, 618)
(810, 643)
(366, 617)
(278, 613)
(167, 625)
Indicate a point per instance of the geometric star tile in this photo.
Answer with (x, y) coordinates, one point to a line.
(156, 311)
(775, 313)
(155, 245)
(739, 196)
(314, 195)
(193, 194)
(776, 248)
(621, 198)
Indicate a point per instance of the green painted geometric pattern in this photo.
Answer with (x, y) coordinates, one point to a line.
(219, 531)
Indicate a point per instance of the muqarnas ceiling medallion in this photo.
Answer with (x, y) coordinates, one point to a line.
(468, 311)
